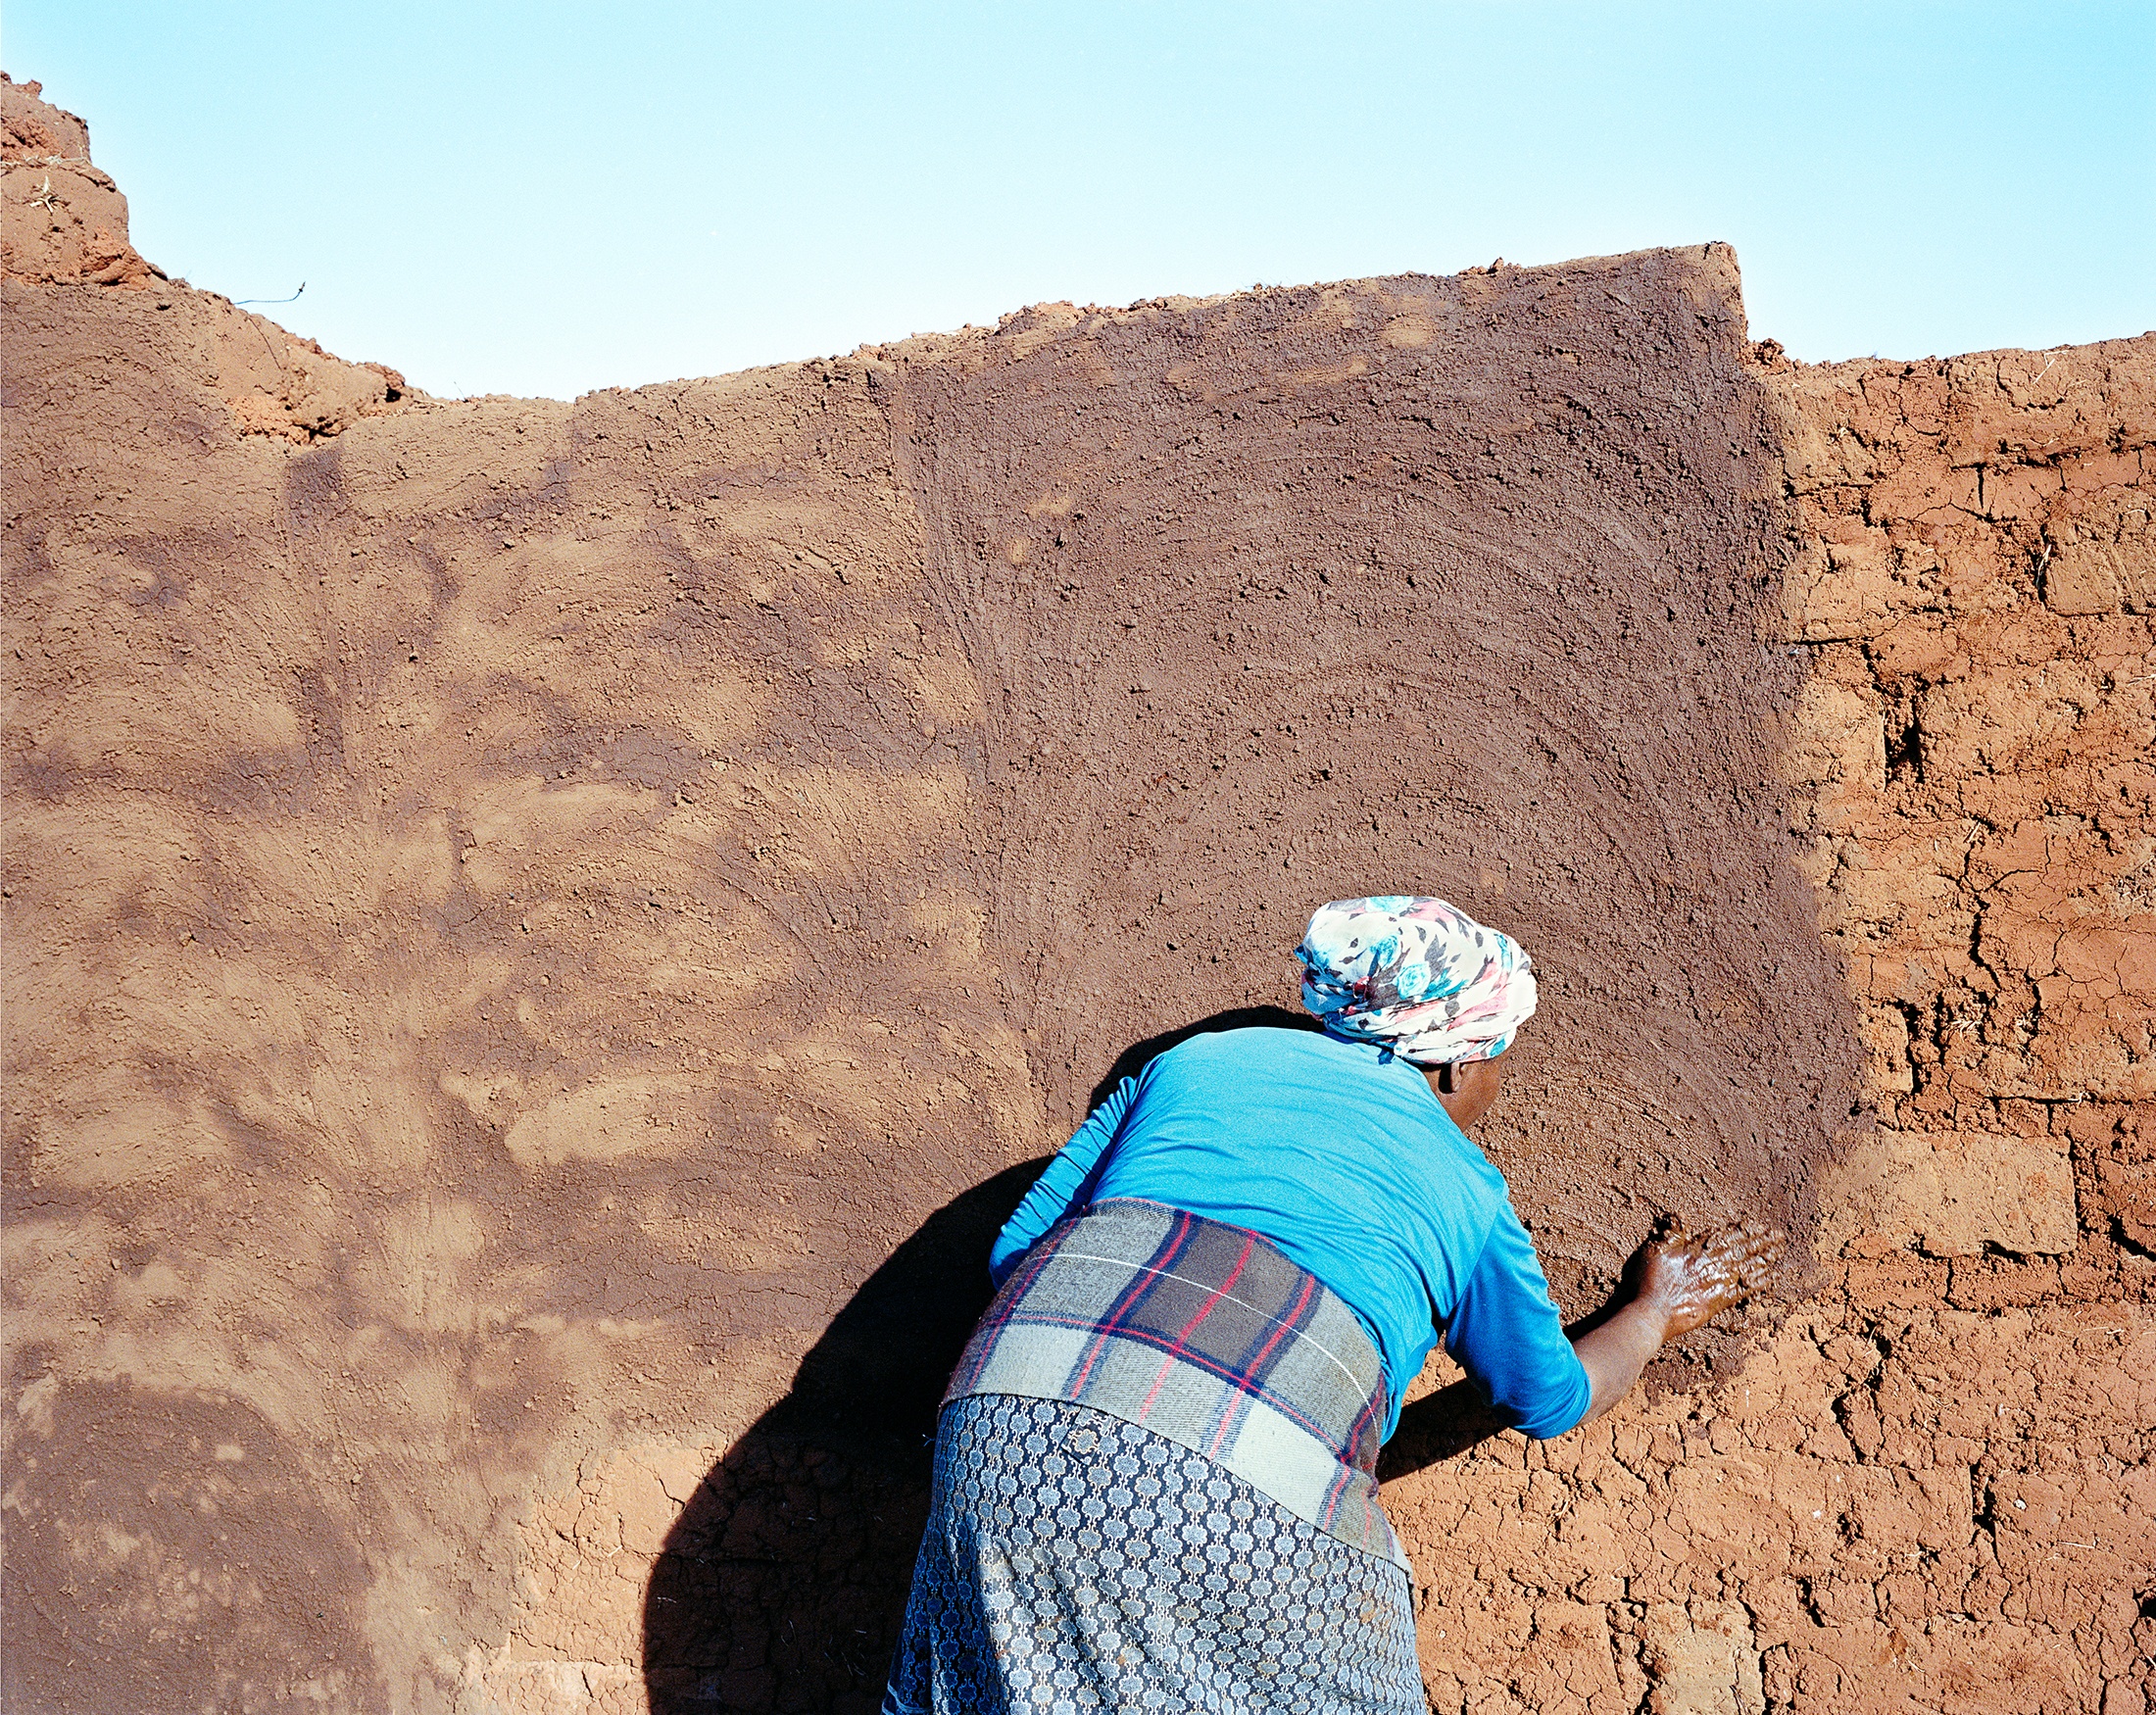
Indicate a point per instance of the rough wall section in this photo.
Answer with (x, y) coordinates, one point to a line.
(60, 219)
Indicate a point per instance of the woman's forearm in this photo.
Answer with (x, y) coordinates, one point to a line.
(1614, 1354)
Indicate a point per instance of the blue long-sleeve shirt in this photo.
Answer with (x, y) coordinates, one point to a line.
(1338, 1154)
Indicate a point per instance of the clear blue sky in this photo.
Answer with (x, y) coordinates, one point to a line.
(546, 198)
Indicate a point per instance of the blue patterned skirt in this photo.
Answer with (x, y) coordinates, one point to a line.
(1075, 1561)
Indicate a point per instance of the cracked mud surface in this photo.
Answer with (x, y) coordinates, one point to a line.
(542, 937)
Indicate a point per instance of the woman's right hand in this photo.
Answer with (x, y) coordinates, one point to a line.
(1687, 1278)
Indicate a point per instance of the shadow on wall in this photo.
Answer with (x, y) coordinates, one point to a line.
(781, 1585)
(783, 1582)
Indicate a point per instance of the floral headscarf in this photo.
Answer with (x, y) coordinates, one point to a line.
(1417, 975)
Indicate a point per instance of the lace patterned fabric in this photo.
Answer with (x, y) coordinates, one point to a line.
(1074, 1561)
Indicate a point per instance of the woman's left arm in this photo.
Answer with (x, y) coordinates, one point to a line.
(1061, 1184)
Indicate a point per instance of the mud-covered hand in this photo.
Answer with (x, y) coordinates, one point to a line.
(1681, 1280)
(1687, 1278)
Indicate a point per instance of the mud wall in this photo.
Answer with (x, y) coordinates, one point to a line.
(541, 939)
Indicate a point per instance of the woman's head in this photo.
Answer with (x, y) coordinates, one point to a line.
(1418, 976)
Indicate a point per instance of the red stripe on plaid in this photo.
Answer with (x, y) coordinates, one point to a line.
(1182, 1340)
(1281, 1330)
(1108, 1326)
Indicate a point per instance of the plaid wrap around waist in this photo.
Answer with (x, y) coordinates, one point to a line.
(1206, 1335)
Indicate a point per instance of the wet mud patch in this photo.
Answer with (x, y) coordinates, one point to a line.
(1459, 586)
(596, 880)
